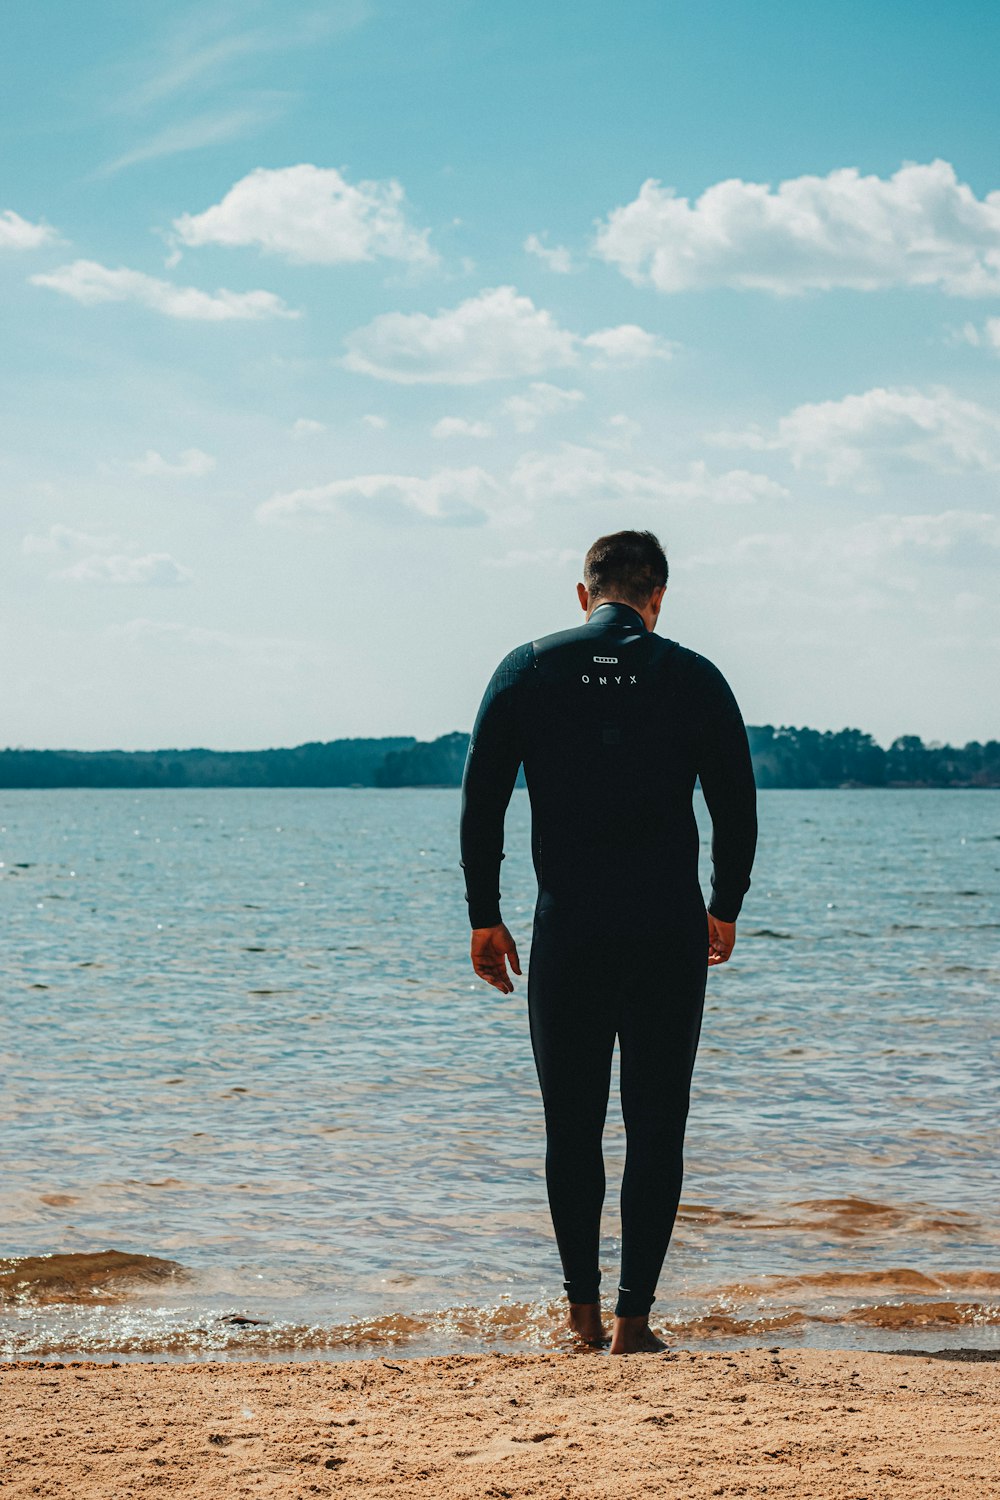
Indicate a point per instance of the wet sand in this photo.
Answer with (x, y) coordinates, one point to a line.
(802, 1423)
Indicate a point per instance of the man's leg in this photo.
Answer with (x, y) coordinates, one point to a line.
(573, 1036)
(660, 1015)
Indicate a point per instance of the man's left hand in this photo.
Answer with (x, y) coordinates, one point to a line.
(492, 949)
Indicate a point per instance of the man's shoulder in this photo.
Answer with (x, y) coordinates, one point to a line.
(525, 658)
(544, 645)
(695, 666)
(516, 663)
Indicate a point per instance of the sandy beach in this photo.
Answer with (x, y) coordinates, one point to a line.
(804, 1423)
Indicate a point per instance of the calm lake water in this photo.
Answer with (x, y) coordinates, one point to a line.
(240, 1035)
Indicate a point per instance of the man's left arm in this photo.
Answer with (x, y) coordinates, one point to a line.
(495, 752)
(727, 780)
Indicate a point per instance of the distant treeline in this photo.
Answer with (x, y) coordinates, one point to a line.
(335, 763)
(782, 757)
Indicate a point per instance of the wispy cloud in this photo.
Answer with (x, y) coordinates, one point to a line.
(210, 129)
(986, 337)
(156, 569)
(90, 283)
(105, 559)
(192, 64)
(191, 463)
(571, 471)
(210, 47)
(60, 538)
(20, 234)
(864, 568)
(540, 400)
(207, 61)
(449, 427)
(171, 636)
(556, 257)
(450, 497)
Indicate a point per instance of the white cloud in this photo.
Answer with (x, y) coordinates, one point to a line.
(90, 283)
(496, 335)
(848, 439)
(145, 634)
(572, 471)
(304, 427)
(987, 337)
(957, 537)
(449, 427)
(19, 234)
(191, 463)
(556, 257)
(540, 400)
(863, 568)
(311, 215)
(467, 496)
(61, 538)
(451, 496)
(729, 487)
(488, 337)
(920, 227)
(624, 430)
(104, 561)
(158, 569)
(626, 345)
(372, 419)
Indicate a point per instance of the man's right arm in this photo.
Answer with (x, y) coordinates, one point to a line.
(495, 751)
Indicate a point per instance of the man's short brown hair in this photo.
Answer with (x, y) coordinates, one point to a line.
(627, 565)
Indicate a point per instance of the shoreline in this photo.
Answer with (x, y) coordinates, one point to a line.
(793, 1422)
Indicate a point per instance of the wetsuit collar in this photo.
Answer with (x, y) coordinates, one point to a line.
(617, 614)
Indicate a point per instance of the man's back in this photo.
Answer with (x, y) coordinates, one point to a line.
(613, 725)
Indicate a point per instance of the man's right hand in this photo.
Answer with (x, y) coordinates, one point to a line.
(721, 940)
(492, 949)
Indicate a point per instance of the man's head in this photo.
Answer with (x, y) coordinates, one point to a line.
(627, 567)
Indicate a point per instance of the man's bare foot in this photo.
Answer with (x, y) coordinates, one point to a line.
(585, 1321)
(634, 1336)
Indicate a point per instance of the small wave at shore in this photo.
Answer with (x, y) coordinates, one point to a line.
(898, 1277)
(98, 1305)
(847, 1217)
(519, 1325)
(104, 1276)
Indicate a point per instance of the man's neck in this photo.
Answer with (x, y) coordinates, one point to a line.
(618, 604)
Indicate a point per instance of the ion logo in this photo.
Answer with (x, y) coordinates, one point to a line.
(611, 661)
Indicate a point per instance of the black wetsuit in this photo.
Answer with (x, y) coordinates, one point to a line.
(613, 725)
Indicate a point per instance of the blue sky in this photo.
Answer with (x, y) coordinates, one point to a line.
(336, 332)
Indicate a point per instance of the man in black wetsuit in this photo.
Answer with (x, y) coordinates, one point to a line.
(613, 725)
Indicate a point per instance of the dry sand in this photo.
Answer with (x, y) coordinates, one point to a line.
(803, 1423)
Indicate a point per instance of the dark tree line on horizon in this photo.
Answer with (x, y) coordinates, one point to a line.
(783, 757)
